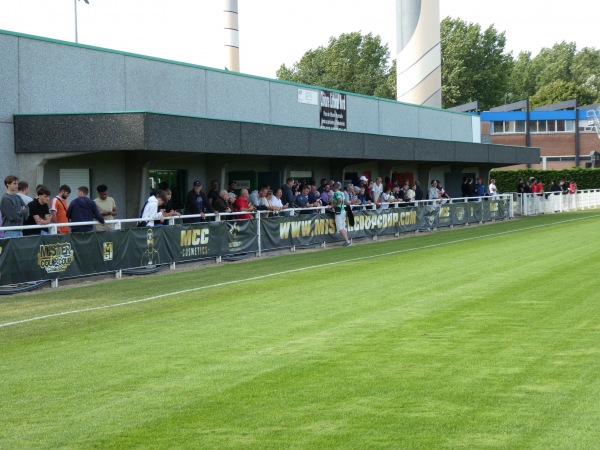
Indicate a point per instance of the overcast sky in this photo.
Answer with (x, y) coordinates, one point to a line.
(273, 32)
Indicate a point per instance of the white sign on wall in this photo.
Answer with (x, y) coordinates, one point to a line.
(309, 97)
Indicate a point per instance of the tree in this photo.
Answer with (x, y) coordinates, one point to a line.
(474, 65)
(522, 79)
(351, 62)
(586, 71)
(553, 64)
(560, 91)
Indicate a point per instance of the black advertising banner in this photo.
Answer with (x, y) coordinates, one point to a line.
(302, 229)
(195, 241)
(383, 222)
(241, 237)
(460, 213)
(428, 215)
(307, 229)
(333, 110)
(51, 257)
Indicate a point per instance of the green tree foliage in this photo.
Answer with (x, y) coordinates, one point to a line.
(586, 71)
(474, 65)
(559, 91)
(556, 74)
(553, 64)
(522, 78)
(351, 62)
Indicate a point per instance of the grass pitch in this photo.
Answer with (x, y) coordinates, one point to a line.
(478, 337)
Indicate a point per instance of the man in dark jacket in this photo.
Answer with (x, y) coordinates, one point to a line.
(83, 209)
(196, 203)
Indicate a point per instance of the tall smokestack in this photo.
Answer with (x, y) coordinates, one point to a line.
(232, 36)
(419, 58)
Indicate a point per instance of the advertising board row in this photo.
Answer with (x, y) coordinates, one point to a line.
(50, 257)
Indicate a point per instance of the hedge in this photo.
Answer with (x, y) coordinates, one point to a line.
(506, 180)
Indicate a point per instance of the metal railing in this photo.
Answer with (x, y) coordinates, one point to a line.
(555, 202)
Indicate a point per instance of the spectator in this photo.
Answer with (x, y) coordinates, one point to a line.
(261, 201)
(232, 187)
(242, 205)
(418, 191)
(410, 194)
(14, 211)
(353, 195)
(441, 192)
(479, 188)
(23, 192)
(39, 212)
(288, 196)
(276, 200)
(83, 209)
(492, 189)
(465, 188)
(165, 208)
(327, 194)
(322, 185)
(58, 208)
(385, 197)
(361, 198)
(221, 203)
(152, 209)
(520, 186)
(572, 187)
(539, 188)
(433, 193)
(196, 203)
(555, 187)
(377, 190)
(214, 193)
(364, 183)
(340, 214)
(106, 206)
(313, 195)
(302, 201)
(1, 232)
(253, 198)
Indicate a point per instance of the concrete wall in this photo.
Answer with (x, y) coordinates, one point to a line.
(44, 76)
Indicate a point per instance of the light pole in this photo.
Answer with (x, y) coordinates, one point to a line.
(75, 3)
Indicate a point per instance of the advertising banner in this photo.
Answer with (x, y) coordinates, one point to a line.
(333, 110)
(50, 257)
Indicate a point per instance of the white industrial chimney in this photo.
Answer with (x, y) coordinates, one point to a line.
(419, 58)
(232, 36)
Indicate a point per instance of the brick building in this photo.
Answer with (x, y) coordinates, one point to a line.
(566, 135)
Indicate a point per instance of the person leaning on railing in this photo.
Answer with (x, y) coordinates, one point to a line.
(14, 211)
(39, 213)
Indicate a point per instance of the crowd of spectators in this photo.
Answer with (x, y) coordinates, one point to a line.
(17, 208)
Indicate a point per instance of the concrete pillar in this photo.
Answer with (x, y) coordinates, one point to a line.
(419, 58)
(232, 38)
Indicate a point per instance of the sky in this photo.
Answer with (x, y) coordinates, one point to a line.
(275, 32)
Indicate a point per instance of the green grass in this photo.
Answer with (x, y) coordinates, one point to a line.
(478, 337)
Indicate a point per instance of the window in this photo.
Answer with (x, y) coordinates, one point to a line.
(520, 126)
(560, 125)
(509, 126)
(498, 127)
(569, 125)
(551, 125)
(533, 126)
(542, 126)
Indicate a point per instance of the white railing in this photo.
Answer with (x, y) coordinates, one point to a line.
(555, 202)
(119, 223)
